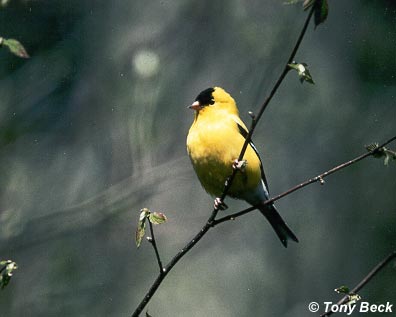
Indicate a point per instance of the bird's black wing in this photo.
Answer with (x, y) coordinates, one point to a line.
(244, 133)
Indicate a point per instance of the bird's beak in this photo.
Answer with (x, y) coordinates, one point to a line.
(195, 106)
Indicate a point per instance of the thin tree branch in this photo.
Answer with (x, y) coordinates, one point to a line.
(315, 179)
(212, 222)
(256, 118)
(154, 244)
(365, 280)
(228, 182)
(171, 264)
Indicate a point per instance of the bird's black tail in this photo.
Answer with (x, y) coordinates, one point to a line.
(282, 230)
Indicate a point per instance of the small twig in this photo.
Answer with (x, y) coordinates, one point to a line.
(331, 171)
(228, 183)
(171, 264)
(255, 119)
(234, 215)
(212, 222)
(365, 280)
(154, 244)
(315, 179)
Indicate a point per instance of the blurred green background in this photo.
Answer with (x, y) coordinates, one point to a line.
(93, 128)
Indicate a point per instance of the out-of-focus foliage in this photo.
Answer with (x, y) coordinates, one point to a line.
(93, 127)
(14, 46)
(3, 3)
(7, 268)
(321, 9)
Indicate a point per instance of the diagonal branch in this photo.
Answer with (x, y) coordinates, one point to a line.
(229, 180)
(213, 222)
(319, 178)
(255, 119)
(365, 280)
(169, 266)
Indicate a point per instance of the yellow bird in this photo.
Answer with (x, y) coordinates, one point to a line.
(214, 143)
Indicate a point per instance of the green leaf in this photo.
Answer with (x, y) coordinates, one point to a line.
(342, 289)
(374, 146)
(353, 299)
(388, 156)
(140, 232)
(144, 213)
(321, 11)
(386, 159)
(157, 218)
(7, 269)
(141, 228)
(381, 152)
(391, 154)
(303, 72)
(15, 47)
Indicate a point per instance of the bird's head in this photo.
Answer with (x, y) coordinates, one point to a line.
(215, 97)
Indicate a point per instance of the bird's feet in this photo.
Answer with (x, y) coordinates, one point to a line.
(219, 204)
(239, 165)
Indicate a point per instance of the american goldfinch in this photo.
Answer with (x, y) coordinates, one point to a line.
(214, 143)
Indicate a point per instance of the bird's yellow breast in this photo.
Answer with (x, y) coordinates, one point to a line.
(213, 143)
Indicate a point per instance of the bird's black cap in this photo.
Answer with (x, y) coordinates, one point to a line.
(205, 97)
